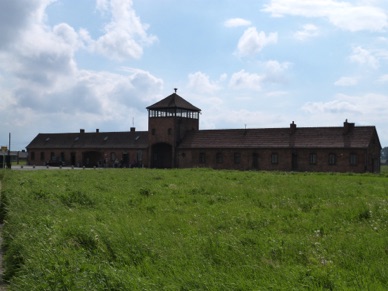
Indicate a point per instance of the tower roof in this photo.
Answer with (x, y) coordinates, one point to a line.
(173, 101)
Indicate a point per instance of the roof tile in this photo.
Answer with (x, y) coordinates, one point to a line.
(95, 140)
(174, 101)
(303, 137)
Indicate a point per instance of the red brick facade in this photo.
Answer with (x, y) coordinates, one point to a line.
(173, 140)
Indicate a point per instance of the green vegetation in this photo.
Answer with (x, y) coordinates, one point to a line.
(198, 229)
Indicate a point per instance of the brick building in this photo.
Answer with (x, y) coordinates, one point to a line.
(174, 140)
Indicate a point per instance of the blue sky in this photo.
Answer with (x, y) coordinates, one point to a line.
(71, 64)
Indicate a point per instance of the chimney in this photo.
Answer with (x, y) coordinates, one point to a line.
(292, 128)
(82, 130)
(348, 126)
(133, 129)
(97, 130)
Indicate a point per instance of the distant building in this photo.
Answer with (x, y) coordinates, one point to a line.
(9, 157)
(174, 140)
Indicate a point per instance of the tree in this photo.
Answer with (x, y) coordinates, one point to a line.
(384, 153)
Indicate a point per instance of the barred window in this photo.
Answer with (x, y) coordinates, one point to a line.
(313, 158)
(332, 159)
(237, 158)
(202, 157)
(274, 158)
(353, 159)
(219, 158)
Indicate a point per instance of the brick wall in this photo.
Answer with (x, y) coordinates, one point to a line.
(275, 159)
(105, 157)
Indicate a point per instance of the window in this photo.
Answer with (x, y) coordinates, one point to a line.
(313, 158)
(332, 159)
(219, 158)
(255, 161)
(32, 156)
(237, 158)
(153, 131)
(169, 131)
(353, 159)
(274, 158)
(42, 156)
(139, 156)
(202, 158)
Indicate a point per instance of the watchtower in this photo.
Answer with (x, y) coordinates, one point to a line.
(168, 122)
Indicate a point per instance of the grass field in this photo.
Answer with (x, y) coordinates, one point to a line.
(198, 229)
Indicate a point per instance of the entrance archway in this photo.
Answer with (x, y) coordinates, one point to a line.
(91, 159)
(161, 156)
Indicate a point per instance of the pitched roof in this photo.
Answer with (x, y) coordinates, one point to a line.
(91, 140)
(303, 137)
(173, 101)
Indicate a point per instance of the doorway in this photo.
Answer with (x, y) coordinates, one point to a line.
(161, 156)
(294, 161)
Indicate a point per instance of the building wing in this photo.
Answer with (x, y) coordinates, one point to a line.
(302, 137)
(90, 140)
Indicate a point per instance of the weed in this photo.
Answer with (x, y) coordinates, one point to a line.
(145, 192)
(77, 197)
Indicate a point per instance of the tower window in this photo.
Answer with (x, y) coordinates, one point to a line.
(169, 131)
(153, 131)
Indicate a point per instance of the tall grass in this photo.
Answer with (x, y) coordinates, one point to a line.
(194, 229)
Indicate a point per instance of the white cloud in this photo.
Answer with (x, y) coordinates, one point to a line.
(335, 106)
(125, 36)
(252, 41)
(364, 57)
(346, 81)
(308, 31)
(42, 87)
(383, 79)
(244, 80)
(236, 22)
(275, 71)
(345, 15)
(201, 82)
(17, 15)
(364, 108)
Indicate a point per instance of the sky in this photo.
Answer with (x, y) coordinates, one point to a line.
(68, 65)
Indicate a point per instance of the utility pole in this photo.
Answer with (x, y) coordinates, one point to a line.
(8, 159)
